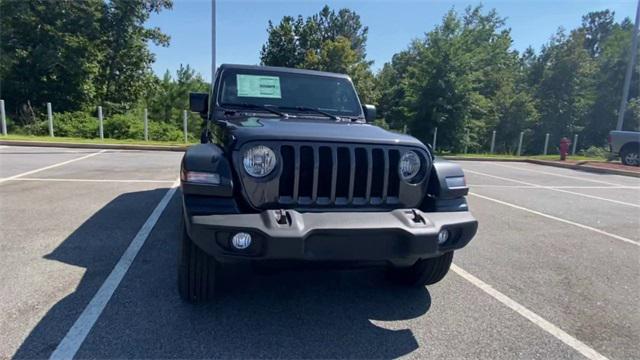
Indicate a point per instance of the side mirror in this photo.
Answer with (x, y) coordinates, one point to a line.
(369, 112)
(199, 102)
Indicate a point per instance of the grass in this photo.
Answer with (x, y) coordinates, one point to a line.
(67, 140)
(537, 157)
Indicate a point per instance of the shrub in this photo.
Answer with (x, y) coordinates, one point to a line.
(595, 151)
(37, 128)
(124, 126)
(71, 124)
(131, 126)
(120, 126)
(75, 124)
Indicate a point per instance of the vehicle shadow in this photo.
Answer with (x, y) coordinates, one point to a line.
(295, 313)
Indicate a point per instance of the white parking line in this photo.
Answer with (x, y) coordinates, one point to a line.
(555, 174)
(602, 232)
(545, 325)
(50, 166)
(552, 188)
(70, 344)
(95, 180)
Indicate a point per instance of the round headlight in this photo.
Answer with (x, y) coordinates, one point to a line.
(259, 161)
(409, 165)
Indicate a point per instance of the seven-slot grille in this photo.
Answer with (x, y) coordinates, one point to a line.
(338, 175)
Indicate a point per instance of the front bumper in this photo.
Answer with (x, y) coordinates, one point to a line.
(402, 234)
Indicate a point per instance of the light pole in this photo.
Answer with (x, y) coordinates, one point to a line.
(627, 77)
(213, 40)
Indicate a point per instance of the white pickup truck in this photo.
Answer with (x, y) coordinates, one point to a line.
(625, 144)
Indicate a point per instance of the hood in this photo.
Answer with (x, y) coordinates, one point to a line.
(314, 130)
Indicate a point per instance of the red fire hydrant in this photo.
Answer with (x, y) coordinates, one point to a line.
(564, 148)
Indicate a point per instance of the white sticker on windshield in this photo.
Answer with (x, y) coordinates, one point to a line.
(258, 86)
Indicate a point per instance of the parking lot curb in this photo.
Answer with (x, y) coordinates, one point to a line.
(466, 158)
(583, 167)
(94, 146)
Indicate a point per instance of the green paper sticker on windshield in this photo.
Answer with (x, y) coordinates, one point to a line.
(258, 86)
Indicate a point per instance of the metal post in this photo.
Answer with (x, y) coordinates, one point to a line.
(3, 118)
(146, 125)
(546, 143)
(213, 40)
(575, 142)
(493, 142)
(100, 122)
(627, 77)
(184, 125)
(435, 138)
(520, 143)
(466, 141)
(50, 117)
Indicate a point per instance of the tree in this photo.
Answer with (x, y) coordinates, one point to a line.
(125, 71)
(597, 27)
(49, 54)
(611, 63)
(461, 76)
(565, 91)
(326, 41)
(170, 97)
(282, 47)
(76, 54)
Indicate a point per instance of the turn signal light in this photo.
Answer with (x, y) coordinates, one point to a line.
(202, 177)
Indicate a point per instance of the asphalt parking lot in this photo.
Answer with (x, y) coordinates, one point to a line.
(554, 272)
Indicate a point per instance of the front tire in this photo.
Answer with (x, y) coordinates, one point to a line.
(423, 272)
(196, 272)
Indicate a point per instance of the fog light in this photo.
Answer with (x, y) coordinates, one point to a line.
(443, 236)
(241, 241)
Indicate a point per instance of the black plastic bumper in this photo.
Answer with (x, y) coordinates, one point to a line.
(403, 234)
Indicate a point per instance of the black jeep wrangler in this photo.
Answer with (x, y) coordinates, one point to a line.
(301, 175)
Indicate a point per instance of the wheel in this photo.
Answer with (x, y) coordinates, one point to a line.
(423, 272)
(630, 154)
(196, 271)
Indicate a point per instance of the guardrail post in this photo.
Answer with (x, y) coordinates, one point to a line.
(435, 138)
(3, 118)
(546, 143)
(493, 142)
(100, 122)
(466, 141)
(146, 125)
(520, 143)
(50, 118)
(575, 143)
(184, 125)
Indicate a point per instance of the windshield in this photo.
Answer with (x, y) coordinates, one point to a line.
(290, 91)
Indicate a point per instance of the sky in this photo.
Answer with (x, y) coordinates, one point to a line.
(241, 25)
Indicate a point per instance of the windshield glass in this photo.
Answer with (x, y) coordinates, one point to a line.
(289, 91)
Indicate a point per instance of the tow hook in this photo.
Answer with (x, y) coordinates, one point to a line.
(282, 217)
(417, 218)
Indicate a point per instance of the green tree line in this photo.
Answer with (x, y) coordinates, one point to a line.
(80, 54)
(464, 76)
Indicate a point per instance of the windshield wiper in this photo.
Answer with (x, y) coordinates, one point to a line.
(304, 108)
(268, 108)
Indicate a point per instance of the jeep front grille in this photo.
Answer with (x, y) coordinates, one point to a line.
(338, 175)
